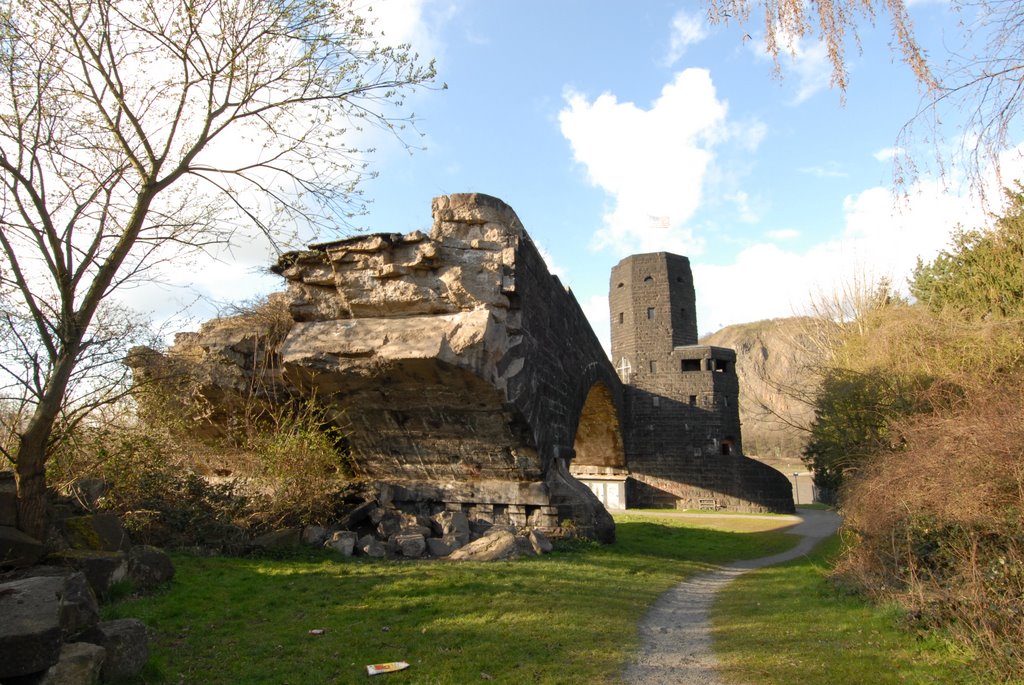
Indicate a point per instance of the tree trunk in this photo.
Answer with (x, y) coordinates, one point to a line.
(30, 468)
(31, 480)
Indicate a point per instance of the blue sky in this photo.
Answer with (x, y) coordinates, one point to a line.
(601, 122)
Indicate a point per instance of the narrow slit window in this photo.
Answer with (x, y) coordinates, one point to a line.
(621, 317)
(653, 365)
(650, 313)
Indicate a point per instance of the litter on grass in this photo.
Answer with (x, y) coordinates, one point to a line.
(391, 667)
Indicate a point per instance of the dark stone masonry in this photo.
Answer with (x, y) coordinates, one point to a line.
(467, 377)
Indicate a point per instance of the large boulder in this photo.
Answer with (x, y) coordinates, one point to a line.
(101, 569)
(343, 542)
(314, 535)
(102, 532)
(149, 567)
(80, 663)
(412, 545)
(126, 644)
(497, 544)
(30, 631)
(17, 549)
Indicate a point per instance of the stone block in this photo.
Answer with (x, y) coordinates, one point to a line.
(80, 663)
(126, 644)
(343, 542)
(412, 546)
(437, 547)
(425, 531)
(501, 544)
(314, 535)
(30, 632)
(149, 567)
(454, 524)
(539, 542)
(374, 548)
(101, 569)
(102, 532)
(18, 549)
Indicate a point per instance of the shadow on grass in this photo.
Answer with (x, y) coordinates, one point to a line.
(567, 617)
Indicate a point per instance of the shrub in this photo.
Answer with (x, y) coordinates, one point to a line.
(939, 526)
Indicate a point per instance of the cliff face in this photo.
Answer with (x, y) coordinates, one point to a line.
(775, 363)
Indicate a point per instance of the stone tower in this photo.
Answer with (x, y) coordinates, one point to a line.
(652, 313)
(682, 398)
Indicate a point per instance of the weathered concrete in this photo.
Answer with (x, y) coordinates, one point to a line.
(459, 362)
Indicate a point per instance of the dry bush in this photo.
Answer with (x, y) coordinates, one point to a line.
(939, 525)
(204, 449)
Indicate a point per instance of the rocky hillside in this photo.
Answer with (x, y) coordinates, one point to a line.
(773, 362)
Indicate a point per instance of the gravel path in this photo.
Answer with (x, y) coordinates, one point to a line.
(676, 634)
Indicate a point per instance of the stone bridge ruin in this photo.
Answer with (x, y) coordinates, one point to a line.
(468, 378)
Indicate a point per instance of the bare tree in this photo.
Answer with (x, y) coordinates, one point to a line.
(132, 131)
(979, 83)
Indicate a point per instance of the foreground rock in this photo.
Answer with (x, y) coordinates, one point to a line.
(80, 663)
(495, 546)
(126, 645)
(30, 632)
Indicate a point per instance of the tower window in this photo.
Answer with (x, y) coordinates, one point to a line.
(693, 400)
(649, 279)
(653, 365)
(621, 317)
(650, 313)
(690, 365)
(656, 401)
(619, 285)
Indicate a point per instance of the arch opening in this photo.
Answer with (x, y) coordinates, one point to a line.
(600, 460)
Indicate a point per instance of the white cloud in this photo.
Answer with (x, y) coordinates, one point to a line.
(882, 236)
(827, 170)
(746, 213)
(652, 162)
(687, 29)
(415, 22)
(888, 153)
(784, 234)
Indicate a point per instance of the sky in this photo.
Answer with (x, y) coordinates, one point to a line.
(618, 128)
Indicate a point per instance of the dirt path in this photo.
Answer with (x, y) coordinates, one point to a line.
(676, 634)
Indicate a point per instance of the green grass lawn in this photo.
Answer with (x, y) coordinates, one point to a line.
(787, 624)
(567, 617)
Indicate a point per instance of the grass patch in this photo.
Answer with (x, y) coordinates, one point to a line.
(788, 624)
(567, 617)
